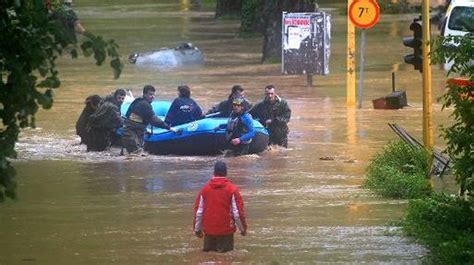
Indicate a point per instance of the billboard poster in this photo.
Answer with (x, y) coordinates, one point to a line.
(306, 43)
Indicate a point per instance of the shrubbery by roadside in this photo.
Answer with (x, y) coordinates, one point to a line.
(446, 225)
(399, 171)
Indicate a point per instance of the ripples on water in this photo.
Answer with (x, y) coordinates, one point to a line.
(305, 204)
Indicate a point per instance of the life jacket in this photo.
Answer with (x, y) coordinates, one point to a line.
(131, 115)
(235, 128)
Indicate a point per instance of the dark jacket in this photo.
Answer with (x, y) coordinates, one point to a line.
(279, 113)
(225, 108)
(81, 124)
(141, 113)
(183, 110)
(92, 102)
(106, 117)
(102, 125)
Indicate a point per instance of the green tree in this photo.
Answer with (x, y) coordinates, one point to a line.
(459, 95)
(227, 7)
(30, 44)
(252, 16)
(264, 16)
(272, 16)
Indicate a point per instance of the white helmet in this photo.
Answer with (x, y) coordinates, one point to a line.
(67, 1)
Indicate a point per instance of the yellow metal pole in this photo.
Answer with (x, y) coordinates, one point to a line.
(350, 89)
(427, 97)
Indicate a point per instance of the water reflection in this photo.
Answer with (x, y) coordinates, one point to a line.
(191, 5)
(351, 126)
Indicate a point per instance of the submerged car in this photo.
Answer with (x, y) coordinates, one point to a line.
(185, 54)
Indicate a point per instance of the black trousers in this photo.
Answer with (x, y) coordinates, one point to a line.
(279, 140)
(98, 140)
(218, 243)
(133, 134)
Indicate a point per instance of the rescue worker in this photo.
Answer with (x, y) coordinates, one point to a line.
(218, 210)
(224, 108)
(105, 121)
(240, 130)
(183, 109)
(92, 103)
(69, 20)
(273, 113)
(138, 116)
(117, 98)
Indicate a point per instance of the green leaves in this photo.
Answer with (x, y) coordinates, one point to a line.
(117, 65)
(46, 99)
(460, 97)
(7, 185)
(444, 223)
(457, 49)
(460, 135)
(30, 43)
(95, 45)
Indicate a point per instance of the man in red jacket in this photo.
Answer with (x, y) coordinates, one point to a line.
(218, 209)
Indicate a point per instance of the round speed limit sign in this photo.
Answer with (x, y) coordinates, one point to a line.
(364, 13)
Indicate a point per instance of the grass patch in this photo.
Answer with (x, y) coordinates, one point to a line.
(399, 171)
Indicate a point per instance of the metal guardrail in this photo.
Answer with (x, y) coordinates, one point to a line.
(441, 163)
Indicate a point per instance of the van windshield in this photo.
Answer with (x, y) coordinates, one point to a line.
(462, 19)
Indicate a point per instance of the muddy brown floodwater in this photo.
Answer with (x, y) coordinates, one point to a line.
(76, 207)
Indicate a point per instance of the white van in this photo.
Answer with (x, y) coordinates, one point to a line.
(458, 21)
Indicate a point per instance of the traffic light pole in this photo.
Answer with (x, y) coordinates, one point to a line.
(427, 95)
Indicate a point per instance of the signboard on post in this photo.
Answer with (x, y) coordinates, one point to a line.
(306, 43)
(364, 13)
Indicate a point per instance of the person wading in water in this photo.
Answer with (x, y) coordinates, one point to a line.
(139, 115)
(218, 210)
(240, 130)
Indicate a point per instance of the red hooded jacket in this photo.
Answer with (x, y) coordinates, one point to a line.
(219, 208)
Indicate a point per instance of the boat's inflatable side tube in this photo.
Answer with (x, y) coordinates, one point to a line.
(201, 137)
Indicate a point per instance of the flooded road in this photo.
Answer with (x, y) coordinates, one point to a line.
(304, 203)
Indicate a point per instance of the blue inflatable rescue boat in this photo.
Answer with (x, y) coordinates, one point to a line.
(201, 137)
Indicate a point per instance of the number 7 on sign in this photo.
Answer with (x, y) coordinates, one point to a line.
(362, 9)
(364, 13)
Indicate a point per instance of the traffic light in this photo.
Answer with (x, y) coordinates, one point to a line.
(415, 42)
